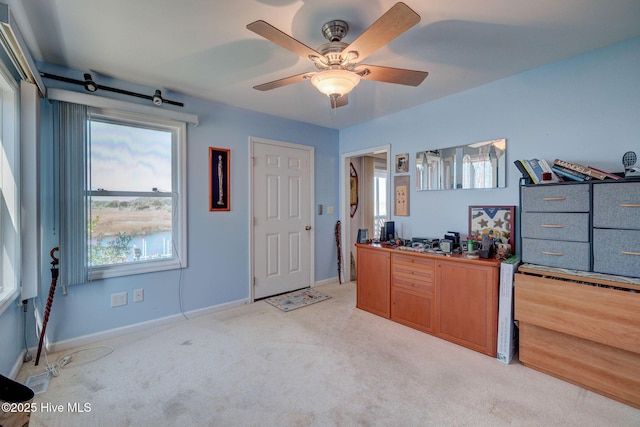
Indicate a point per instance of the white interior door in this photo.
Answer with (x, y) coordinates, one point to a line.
(282, 217)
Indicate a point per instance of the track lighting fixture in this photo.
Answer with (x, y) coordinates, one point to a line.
(89, 84)
(92, 86)
(157, 98)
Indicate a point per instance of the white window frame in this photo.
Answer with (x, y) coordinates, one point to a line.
(10, 260)
(178, 130)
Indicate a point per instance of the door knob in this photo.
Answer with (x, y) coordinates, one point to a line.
(308, 227)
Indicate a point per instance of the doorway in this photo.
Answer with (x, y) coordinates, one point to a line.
(281, 219)
(376, 210)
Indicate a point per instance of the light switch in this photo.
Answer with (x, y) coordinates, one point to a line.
(319, 209)
(329, 210)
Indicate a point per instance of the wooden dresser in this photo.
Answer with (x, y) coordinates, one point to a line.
(581, 327)
(453, 298)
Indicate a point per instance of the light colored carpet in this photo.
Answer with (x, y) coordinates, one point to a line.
(329, 364)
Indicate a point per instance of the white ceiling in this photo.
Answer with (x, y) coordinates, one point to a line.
(202, 47)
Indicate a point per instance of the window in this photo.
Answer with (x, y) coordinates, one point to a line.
(137, 198)
(380, 201)
(9, 189)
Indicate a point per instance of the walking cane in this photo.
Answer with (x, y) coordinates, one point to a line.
(52, 290)
(338, 226)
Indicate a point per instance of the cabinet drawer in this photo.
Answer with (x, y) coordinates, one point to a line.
(556, 198)
(412, 267)
(616, 252)
(572, 255)
(556, 226)
(617, 205)
(413, 284)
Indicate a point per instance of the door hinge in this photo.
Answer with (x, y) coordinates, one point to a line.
(254, 282)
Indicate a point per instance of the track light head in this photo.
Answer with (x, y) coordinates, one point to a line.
(89, 84)
(157, 98)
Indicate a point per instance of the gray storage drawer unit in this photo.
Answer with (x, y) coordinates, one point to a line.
(557, 253)
(616, 252)
(573, 227)
(590, 226)
(555, 225)
(556, 198)
(617, 205)
(616, 232)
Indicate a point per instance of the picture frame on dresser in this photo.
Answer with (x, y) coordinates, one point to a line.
(497, 221)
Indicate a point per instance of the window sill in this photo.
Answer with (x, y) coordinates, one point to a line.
(98, 273)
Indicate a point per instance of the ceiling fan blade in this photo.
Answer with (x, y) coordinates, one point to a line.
(273, 34)
(394, 22)
(391, 75)
(283, 82)
(340, 102)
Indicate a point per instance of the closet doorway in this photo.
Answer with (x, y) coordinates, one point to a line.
(372, 168)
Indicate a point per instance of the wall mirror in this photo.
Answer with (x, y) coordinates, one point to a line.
(477, 165)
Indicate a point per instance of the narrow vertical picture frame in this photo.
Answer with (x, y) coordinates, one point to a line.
(401, 193)
(219, 185)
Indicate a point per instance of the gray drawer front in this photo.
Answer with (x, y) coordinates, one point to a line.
(556, 226)
(617, 205)
(616, 252)
(571, 255)
(556, 198)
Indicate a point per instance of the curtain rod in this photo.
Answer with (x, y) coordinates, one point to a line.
(102, 102)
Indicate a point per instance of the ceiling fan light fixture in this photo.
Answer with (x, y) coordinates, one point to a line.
(335, 83)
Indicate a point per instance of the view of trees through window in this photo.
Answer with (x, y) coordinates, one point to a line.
(131, 200)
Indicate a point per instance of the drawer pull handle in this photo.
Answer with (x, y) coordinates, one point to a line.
(553, 253)
(630, 253)
(630, 205)
(552, 199)
(551, 226)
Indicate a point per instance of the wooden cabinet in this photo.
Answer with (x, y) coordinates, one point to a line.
(412, 289)
(453, 298)
(582, 328)
(373, 289)
(467, 301)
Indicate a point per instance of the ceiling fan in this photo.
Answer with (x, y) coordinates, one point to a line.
(338, 61)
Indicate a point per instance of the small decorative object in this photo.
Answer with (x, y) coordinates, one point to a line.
(401, 191)
(402, 163)
(628, 161)
(353, 195)
(219, 197)
(496, 222)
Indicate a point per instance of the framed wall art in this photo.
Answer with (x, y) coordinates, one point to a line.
(402, 163)
(496, 221)
(219, 186)
(401, 193)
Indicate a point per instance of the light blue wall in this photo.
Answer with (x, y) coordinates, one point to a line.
(584, 109)
(11, 338)
(218, 249)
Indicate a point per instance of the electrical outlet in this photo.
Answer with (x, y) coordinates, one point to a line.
(118, 299)
(138, 295)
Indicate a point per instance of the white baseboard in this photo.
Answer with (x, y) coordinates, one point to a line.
(112, 333)
(16, 366)
(326, 281)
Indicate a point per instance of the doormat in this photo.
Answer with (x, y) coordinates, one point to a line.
(297, 299)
